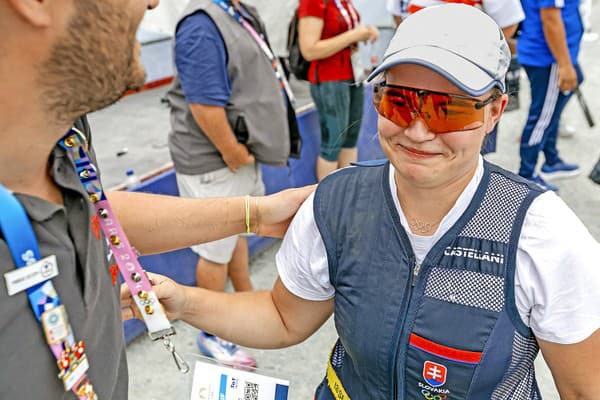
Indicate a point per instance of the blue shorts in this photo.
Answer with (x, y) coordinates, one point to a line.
(340, 106)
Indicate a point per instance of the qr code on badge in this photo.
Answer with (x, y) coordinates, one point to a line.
(251, 391)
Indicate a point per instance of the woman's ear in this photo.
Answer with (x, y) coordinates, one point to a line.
(496, 110)
(35, 12)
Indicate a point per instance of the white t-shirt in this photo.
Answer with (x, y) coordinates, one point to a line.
(557, 277)
(504, 12)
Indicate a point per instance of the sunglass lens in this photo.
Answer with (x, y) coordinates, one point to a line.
(442, 113)
(393, 104)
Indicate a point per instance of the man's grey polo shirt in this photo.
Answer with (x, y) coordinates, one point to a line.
(29, 370)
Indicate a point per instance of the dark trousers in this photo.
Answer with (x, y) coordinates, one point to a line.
(541, 129)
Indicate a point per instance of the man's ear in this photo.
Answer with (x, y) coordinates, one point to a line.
(35, 12)
(496, 110)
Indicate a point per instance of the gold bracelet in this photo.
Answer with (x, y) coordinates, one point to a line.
(257, 212)
(247, 207)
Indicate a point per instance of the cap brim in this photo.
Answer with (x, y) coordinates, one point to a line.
(467, 76)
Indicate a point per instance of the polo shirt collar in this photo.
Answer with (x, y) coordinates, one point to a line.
(64, 173)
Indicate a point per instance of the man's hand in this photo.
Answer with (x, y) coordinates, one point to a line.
(215, 125)
(237, 157)
(275, 212)
(567, 78)
(171, 295)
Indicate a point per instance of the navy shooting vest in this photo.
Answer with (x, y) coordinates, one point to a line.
(447, 329)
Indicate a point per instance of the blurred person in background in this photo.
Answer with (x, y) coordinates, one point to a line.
(398, 9)
(228, 113)
(548, 49)
(329, 33)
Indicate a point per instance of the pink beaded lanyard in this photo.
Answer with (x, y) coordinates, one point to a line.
(159, 327)
(275, 64)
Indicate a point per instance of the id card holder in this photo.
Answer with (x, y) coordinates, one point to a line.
(209, 380)
(56, 325)
(358, 68)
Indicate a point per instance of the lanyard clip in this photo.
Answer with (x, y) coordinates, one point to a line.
(163, 335)
(182, 365)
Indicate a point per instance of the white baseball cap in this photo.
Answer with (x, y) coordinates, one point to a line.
(457, 41)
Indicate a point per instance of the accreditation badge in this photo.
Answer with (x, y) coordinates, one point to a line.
(23, 278)
(216, 382)
(358, 68)
(56, 325)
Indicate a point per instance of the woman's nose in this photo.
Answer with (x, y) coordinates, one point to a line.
(418, 131)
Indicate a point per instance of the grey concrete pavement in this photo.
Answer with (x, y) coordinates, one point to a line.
(140, 123)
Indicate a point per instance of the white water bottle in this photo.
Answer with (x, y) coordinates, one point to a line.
(132, 180)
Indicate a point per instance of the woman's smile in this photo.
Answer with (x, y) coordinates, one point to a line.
(420, 154)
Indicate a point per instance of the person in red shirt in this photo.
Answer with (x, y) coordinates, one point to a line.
(329, 32)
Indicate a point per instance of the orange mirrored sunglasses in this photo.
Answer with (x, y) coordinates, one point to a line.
(442, 112)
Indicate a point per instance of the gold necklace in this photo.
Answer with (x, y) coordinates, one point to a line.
(422, 227)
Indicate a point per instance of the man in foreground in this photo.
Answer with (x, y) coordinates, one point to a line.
(59, 60)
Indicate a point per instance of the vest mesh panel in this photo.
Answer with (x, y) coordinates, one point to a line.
(467, 288)
(503, 195)
(521, 383)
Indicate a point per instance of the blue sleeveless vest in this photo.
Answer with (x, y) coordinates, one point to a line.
(447, 329)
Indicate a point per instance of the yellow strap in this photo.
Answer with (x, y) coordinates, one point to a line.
(247, 210)
(334, 383)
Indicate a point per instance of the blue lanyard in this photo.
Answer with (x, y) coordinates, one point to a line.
(23, 245)
(229, 9)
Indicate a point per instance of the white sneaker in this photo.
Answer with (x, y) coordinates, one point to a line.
(590, 36)
(566, 131)
(224, 352)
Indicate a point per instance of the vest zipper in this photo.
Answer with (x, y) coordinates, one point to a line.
(416, 270)
(415, 273)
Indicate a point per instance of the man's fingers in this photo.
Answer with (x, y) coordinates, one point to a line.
(250, 159)
(153, 278)
(129, 310)
(125, 293)
(149, 276)
(127, 313)
(567, 86)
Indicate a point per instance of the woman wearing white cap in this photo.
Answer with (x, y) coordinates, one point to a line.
(446, 273)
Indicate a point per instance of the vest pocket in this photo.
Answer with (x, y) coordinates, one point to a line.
(438, 372)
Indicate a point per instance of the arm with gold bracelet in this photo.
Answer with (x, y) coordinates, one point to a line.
(156, 223)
